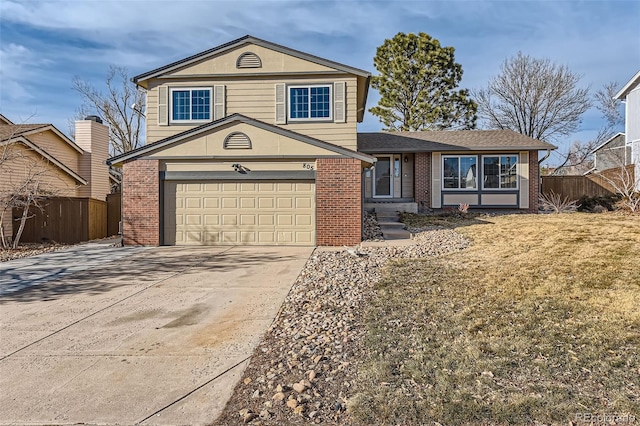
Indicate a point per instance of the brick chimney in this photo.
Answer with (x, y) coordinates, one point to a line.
(93, 137)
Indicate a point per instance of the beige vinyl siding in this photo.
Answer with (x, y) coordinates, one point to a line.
(255, 98)
(225, 166)
(58, 149)
(94, 139)
(272, 62)
(509, 200)
(15, 171)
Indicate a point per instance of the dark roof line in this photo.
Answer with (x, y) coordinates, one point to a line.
(243, 119)
(245, 40)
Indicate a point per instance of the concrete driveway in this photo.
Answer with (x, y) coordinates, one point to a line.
(158, 337)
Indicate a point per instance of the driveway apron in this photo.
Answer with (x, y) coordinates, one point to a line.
(159, 336)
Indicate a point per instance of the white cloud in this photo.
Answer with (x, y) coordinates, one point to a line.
(19, 65)
(82, 37)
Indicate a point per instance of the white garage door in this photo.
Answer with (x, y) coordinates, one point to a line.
(243, 213)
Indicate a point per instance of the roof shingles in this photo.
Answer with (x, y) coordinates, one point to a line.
(448, 140)
(9, 131)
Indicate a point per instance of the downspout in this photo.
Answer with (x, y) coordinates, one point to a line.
(545, 157)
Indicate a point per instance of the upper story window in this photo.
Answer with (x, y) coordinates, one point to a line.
(190, 104)
(459, 172)
(310, 102)
(500, 172)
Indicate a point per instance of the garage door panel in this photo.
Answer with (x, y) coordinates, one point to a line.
(266, 203)
(230, 187)
(229, 219)
(215, 213)
(229, 203)
(247, 203)
(304, 237)
(266, 187)
(211, 202)
(266, 219)
(247, 220)
(211, 219)
(284, 219)
(285, 202)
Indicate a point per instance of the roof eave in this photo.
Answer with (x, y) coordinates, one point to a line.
(49, 157)
(248, 39)
(622, 94)
(131, 155)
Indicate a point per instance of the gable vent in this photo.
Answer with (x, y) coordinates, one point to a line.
(248, 60)
(237, 140)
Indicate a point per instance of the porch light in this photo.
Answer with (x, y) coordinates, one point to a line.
(406, 158)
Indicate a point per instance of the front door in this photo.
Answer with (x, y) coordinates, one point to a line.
(383, 177)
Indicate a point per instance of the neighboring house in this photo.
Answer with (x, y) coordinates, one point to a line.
(630, 95)
(255, 143)
(64, 168)
(613, 153)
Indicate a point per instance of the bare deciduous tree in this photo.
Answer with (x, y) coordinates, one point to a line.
(534, 97)
(579, 155)
(31, 179)
(624, 182)
(116, 108)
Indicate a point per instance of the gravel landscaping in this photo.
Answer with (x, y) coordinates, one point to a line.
(303, 370)
(26, 250)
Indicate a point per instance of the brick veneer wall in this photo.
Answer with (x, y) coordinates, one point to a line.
(534, 181)
(338, 202)
(422, 180)
(141, 203)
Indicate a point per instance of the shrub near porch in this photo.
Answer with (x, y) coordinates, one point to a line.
(537, 321)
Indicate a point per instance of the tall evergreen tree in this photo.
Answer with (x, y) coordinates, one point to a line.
(418, 84)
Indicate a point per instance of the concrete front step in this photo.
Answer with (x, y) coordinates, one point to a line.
(392, 207)
(395, 234)
(391, 225)
(388, 217)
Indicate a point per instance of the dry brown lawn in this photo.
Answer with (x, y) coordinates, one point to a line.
(537, 321)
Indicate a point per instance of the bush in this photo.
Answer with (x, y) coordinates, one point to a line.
(590, 204)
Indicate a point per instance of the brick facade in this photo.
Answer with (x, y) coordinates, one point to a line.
(141, 203)
(534, 182)
(338, 202)
(422, 180)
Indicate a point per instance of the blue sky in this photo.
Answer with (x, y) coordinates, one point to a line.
(44, 44)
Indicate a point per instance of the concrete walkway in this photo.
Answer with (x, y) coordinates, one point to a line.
(160, 336)
(18, 274)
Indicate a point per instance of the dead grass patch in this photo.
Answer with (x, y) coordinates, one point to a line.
(537, 321)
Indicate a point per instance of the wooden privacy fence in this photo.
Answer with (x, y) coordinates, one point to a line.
(114, 213)
(575, 187)
(65, 220)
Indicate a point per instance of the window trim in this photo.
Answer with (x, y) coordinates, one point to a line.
(190, 89)
(517, 165)
(458, 156)
(309, 86)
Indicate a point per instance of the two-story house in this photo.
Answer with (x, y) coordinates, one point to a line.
(255, 143)
(630, 95)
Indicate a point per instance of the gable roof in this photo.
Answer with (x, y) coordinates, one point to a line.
(20, 133)
(10, 131)
(608, 141)
(46, 155)
(248, 39)
(5, 120)
(448, 140)
(235, 118)
(622, 94)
